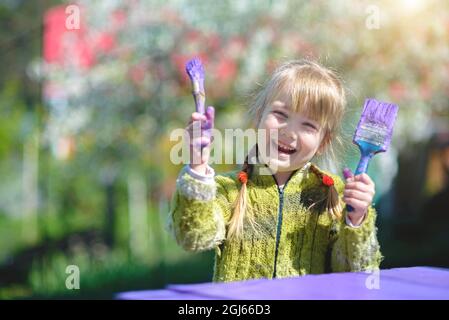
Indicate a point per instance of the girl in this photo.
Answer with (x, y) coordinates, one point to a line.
(293, 221)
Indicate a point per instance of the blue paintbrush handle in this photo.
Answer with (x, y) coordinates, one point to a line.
(362, 167)
(363, 163)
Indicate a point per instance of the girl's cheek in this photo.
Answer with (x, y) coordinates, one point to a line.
(309, 143)
(272, 122)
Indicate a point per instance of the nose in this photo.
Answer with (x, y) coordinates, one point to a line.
(289, 131)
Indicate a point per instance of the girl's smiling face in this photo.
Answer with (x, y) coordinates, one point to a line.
(297, 140)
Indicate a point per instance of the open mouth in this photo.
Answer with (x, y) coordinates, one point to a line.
(284, 149)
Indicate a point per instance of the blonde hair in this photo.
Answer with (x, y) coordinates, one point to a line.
(318, 93)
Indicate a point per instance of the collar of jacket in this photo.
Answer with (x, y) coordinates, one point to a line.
(263, 175)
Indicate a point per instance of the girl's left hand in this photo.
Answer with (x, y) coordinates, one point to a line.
(359, 193)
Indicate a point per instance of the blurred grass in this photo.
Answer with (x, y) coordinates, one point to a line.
(14, 236)
(104, 271)
(104, 279)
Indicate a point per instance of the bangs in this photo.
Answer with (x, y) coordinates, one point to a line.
(311, 94)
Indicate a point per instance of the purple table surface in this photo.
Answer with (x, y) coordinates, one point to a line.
(416, 283)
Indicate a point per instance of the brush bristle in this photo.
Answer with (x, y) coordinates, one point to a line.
(380, 112)
(376, 123)
(195, 70)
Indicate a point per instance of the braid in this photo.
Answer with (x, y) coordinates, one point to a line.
(240, 205)
(333, 204)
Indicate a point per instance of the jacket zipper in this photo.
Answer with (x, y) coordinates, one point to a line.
(279, 225)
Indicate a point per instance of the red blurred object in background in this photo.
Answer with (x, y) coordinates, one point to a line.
(76, 47)
(63, 45)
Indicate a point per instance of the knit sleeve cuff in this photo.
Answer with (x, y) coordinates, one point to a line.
(208, 177)
(350, 224)
(195, 186)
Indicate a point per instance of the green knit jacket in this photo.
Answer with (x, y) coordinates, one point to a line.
(291, 238)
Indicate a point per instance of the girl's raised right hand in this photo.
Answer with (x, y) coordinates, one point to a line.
(199, 137)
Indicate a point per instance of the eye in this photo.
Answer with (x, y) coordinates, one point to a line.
(282, 114)
(310, 125)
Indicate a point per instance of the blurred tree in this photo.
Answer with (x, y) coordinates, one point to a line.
(22, 112)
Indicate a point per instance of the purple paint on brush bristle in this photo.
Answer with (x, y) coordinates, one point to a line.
(195, 70)
(376, 123)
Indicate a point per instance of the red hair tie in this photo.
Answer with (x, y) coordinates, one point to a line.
(327, 180)
(243, 177)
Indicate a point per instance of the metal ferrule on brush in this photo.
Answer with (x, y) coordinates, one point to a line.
(198, 96)
(373, 133)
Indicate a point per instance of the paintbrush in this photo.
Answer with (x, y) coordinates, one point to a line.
(195, 70)
(373, 133)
